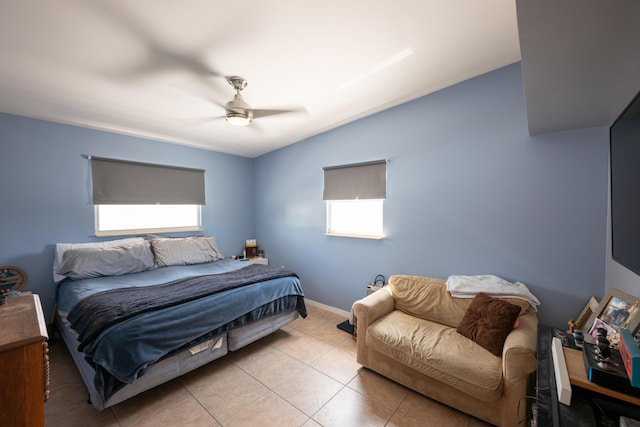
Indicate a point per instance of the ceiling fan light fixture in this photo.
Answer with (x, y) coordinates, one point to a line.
(238, 112)
(238, 119)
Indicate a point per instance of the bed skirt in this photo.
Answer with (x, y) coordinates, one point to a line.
(175, 365)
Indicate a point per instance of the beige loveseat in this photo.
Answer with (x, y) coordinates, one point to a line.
(407, 332)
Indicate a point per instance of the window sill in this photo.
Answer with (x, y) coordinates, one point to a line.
(355, 236)
(111, 233)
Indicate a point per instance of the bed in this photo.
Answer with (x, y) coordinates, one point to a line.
(136, 313)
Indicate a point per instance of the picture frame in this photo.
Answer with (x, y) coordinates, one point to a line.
(587, 311)
(598, 323)
(611, 311)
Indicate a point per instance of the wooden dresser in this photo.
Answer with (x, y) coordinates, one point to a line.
(24, 362)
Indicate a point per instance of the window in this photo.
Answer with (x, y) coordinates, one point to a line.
(114, 220)
(355, 218)
(135, 198)
(355, 196)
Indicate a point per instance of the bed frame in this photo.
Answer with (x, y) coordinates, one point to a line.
(175, 365)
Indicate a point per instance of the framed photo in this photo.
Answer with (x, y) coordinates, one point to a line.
(600, 324)
(617, 309)
(587, 311)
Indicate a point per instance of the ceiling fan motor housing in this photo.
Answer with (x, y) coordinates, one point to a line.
(238, 112)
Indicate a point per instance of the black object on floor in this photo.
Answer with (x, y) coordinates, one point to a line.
(346, 326)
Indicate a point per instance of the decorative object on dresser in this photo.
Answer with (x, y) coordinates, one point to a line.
(11, 279)
(251, 248)
(583, 317)
(616, 310)
(24, 362)
(607, 370)
(630, 353)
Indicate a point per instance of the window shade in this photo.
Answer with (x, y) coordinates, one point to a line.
(122, 182)
(356, 181)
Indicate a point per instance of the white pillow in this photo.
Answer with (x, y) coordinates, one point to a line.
(86, 263)
(185, 250)
(61, 248)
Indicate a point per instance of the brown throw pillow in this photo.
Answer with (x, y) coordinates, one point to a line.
(488, 321)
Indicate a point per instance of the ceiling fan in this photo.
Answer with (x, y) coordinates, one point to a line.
(238, 112)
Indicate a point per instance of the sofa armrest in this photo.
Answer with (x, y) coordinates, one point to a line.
(518, 363)
(367, 311)
(374, 306)
(519, 352)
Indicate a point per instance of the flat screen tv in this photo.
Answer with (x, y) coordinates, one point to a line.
(625, 186)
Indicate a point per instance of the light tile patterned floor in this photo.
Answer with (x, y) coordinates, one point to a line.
(303, 375)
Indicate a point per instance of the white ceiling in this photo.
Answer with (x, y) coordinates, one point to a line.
(156, 68)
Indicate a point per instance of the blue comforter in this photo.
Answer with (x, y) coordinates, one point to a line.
(124, 351)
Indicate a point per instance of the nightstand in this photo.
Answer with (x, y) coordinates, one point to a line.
(258, 260)
(371, 288)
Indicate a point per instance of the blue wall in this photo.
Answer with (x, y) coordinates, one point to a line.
(468, 192)
(45, 195)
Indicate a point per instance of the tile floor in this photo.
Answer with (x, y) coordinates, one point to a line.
(303, 375)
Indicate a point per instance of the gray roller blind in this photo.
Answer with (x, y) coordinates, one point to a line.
(356, 181)
(121, 182)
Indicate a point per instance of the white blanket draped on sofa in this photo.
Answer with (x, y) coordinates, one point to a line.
(469, 286)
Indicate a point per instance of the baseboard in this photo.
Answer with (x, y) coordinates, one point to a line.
(327, 307)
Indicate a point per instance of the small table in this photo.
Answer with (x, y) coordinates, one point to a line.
(549, 412)
(257, 260)
(578, 377)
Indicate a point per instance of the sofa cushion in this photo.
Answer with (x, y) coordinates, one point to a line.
(438, 351)
(428, 298)
(488, 321)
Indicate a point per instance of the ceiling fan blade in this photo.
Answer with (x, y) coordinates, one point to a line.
(266, 113)
(200, 91)
(160, 58)
(255, 127)
(200, 121)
